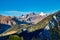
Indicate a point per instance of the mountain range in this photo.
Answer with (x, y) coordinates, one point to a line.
(23, 19)
(44, 27)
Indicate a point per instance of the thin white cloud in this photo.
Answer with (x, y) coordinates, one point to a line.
(19, 13)
(15, 13)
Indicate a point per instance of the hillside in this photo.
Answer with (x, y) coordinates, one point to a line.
(7, 20)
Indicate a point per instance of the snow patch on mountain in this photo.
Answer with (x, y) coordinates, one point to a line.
(42, 14)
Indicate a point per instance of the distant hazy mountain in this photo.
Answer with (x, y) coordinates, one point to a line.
(31, 18)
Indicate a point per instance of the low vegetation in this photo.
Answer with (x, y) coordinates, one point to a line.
(15, 37)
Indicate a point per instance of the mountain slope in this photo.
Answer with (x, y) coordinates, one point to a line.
(7, 20)
(42, 23)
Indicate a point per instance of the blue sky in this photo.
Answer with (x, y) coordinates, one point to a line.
(18, 7)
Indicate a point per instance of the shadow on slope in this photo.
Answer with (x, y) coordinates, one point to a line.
(20, 22)
(29, 35)
(3, 27)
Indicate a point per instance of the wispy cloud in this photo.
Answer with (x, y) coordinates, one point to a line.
(14, 13)
(18, 13)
